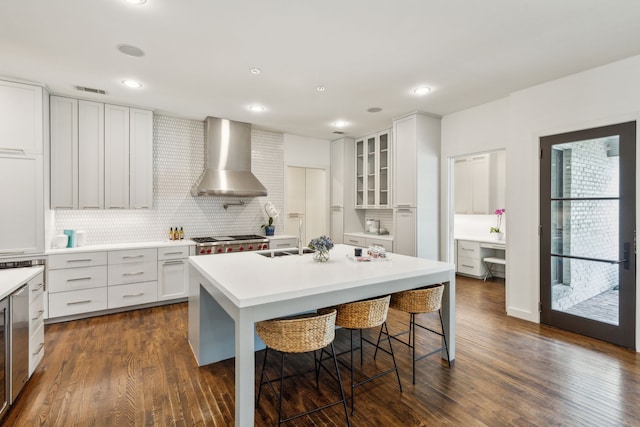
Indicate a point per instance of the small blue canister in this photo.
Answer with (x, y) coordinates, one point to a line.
(72, 238)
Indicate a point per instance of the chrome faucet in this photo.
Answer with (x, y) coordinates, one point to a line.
(300, 251)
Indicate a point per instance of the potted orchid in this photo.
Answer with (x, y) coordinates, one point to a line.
(321, 245)
(272, 214)
(496, 231)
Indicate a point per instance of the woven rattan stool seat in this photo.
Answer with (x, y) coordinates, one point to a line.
(424, 300)
(298, 334)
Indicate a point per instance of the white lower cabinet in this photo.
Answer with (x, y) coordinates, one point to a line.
(173, 273)
(283, 242)
(77, 283)
(366, 241)
(36, 321)
(82, 283)
(470, 259)
(355, 240)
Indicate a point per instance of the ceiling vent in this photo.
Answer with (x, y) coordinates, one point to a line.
(91, 90)
(338, 132)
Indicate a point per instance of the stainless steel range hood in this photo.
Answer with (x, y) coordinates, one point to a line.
(228, 161)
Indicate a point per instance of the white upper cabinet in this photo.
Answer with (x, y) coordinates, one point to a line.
(141, 159)
(116, 157)
(22, 212)
(20, 118)
(101, 155)
(373, 177)
(479, 183)
(91, 155)
(64, 152)
(404, 152)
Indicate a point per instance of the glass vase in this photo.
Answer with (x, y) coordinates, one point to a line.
(321, 256)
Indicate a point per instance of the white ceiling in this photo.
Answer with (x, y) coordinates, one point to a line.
(367, 53)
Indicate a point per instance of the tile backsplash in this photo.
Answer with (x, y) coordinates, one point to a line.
(178, 161)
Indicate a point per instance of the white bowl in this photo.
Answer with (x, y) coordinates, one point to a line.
(61, 241)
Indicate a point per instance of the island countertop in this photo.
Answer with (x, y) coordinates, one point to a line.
(249, 279)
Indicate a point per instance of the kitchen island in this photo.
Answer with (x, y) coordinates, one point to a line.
(229, 293)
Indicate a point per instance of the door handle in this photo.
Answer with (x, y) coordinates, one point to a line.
(627, 255)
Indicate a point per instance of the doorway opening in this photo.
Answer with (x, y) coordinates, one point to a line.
(477, 193)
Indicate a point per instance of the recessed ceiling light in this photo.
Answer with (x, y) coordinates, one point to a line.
(422, 90)
(136, 2)
(132, 84)
(127, 49)
(374, 109)
(321, 88)
(256, 108)
(255, 71)
(340, 123)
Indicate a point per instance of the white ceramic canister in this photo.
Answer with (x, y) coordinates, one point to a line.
(81, 238)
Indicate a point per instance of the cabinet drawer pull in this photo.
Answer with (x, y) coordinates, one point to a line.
(13, 150)
(79, 279)
(39, 349)
(86, 301)
(468, 266)
(173, 253)
(139, 294)
(40, 313)
(173, 262)
(468, 249)
(64, 207)
(141, 207)
(116, 207)
(80, 260)
(90, 207)
(137, 273)
(282, 245)
(20, 292)
(132, 257)
(40, 286)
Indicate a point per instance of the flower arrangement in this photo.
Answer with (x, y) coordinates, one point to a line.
(321, 244)
(496, 229)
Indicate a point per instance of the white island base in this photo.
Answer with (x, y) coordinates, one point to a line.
(229, 293)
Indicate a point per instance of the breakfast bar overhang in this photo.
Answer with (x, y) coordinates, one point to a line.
(228, 295)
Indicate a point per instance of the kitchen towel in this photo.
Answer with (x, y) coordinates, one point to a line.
(72, 238)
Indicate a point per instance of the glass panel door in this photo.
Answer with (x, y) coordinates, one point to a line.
(587, 232)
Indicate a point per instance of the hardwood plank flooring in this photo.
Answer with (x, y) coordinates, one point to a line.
(137, 369)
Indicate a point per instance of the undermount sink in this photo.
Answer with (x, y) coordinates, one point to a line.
(273, 254)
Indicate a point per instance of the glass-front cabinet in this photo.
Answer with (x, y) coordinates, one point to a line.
(372, 170)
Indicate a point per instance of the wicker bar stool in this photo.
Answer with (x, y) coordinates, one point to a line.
(299, 334)
(423, 300)
(361, 315)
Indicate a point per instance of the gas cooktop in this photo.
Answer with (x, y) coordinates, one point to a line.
(237, 238)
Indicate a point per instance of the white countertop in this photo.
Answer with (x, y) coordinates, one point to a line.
(121, 246)
(249, 279)
(388, 237)
(12, 278)
(481, 239)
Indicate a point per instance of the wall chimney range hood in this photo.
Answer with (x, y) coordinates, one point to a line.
(228, 161)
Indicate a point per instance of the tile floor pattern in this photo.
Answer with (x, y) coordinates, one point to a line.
(602, 307)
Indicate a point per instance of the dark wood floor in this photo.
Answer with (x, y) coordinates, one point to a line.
(136, 368)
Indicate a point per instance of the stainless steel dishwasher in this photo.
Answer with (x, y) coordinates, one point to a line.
(19, 336)
(4, 356)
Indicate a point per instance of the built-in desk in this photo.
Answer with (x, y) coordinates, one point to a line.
(480, 258)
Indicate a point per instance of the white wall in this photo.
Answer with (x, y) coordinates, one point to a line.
(604, 95)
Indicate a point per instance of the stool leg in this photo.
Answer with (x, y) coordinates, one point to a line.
(444, 337)
(264, 363)
(391, 351)
(281, 388)
(353, 394)
(375, 353)
(344, 399)
(412, 326)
